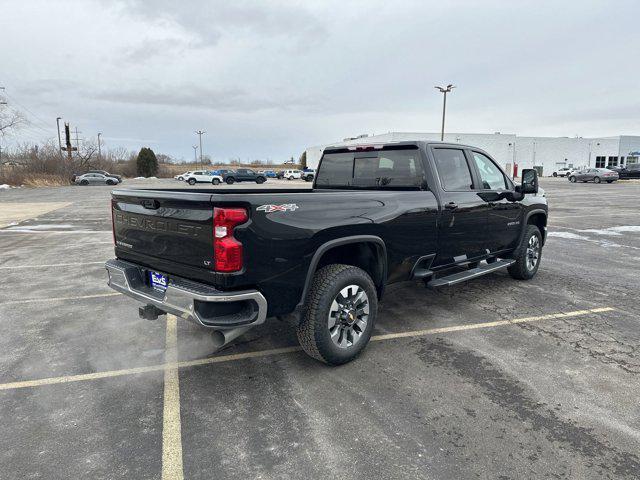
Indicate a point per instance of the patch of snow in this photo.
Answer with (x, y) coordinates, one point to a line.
(567, 235)
(4, 186)
(145, 178)
(34, 228)
(613, 231)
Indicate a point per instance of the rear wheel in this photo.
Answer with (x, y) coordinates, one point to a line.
(110, 182)
(572, 179)
(609, 181)
(192, 181)
(84, 182)
(181, 178)
(527, 255)
(555, 174)
(230, 180)
(340, 314)
(596, 180)
(215, 181)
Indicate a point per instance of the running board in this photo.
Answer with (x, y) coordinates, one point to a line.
(469, 274)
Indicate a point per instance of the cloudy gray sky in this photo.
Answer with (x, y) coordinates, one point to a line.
(267, 79)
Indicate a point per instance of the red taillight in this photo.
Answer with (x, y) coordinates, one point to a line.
(227, 250)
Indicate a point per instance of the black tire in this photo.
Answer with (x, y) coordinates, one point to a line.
(522, 268)
(191, 181)
(555, 174)
(597, 180)
(260, 180)
(289, 178)
(230, 180)
(572, 179)
(609, 181)
(313, 331)
(181, 178)
(215, 181)
(110, 182)
(84, 182)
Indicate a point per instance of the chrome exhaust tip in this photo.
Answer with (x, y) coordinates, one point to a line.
(224, 337)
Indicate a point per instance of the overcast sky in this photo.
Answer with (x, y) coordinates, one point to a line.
(267, 79)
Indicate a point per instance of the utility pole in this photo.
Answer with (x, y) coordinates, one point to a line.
(200, 133)
(69, 149)
(58, 130)
(2, 100)
(195, 153)
(99, 151)
(444, 90)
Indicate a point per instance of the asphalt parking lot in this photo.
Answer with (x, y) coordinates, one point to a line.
(494, 378)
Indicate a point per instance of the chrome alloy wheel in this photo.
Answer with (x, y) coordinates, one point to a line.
(533, 252)
(348, 316)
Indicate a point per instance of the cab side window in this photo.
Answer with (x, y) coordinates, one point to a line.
(490, 175)
(453, 169)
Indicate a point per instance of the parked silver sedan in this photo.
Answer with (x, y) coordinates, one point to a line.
(596, 175)
(95, 179)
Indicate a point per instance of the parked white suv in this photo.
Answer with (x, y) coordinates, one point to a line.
(291, 174)
(562, 172)
(202, 176)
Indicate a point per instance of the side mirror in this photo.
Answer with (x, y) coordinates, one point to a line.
(529, 181)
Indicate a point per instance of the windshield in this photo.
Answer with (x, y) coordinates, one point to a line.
(397, 168)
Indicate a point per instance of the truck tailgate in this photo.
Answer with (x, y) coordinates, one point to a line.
(176, 227)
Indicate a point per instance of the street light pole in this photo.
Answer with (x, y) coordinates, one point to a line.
(444, 90)
(195, 153)
(200, 133)
(99, 151)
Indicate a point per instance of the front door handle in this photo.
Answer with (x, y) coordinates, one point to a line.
(451, 206)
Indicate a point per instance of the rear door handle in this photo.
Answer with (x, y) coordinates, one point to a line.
(451, 206)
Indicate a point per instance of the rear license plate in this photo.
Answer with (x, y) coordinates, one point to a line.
(158, 281)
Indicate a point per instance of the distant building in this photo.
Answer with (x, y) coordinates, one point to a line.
(544, 153)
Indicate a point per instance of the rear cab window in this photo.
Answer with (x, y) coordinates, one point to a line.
(387, 168)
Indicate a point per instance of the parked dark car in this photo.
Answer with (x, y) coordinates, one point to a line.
(431, 211)
(243, 175)
(630, 171)
(596, 175)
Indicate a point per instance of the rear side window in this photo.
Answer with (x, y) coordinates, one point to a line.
(372, 169)
(453, 169)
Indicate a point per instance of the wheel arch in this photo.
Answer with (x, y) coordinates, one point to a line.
(368, 252)
(538, 218)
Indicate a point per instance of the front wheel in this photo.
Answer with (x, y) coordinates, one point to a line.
(555, 174)
(230, 181)
(84, 182)
(528, 254)
(341, 310)
(597, 180)
(215, 181)
(259, 180)
(572, 179)
(192, 181)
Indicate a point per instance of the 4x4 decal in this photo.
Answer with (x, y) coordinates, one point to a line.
(286, 207)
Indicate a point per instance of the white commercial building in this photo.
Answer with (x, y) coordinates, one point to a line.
(544, 153)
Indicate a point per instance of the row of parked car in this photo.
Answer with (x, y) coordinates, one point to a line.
(597, 175)
(229, 176)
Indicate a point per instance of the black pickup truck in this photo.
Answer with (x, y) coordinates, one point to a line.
(377, 214)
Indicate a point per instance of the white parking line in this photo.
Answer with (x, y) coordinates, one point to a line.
(58, 299)
(171, 426)
(281, 351)
(17, 267)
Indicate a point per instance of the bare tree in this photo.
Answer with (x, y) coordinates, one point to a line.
(10, 119)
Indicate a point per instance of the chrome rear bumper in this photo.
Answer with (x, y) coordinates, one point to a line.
(190, 300)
